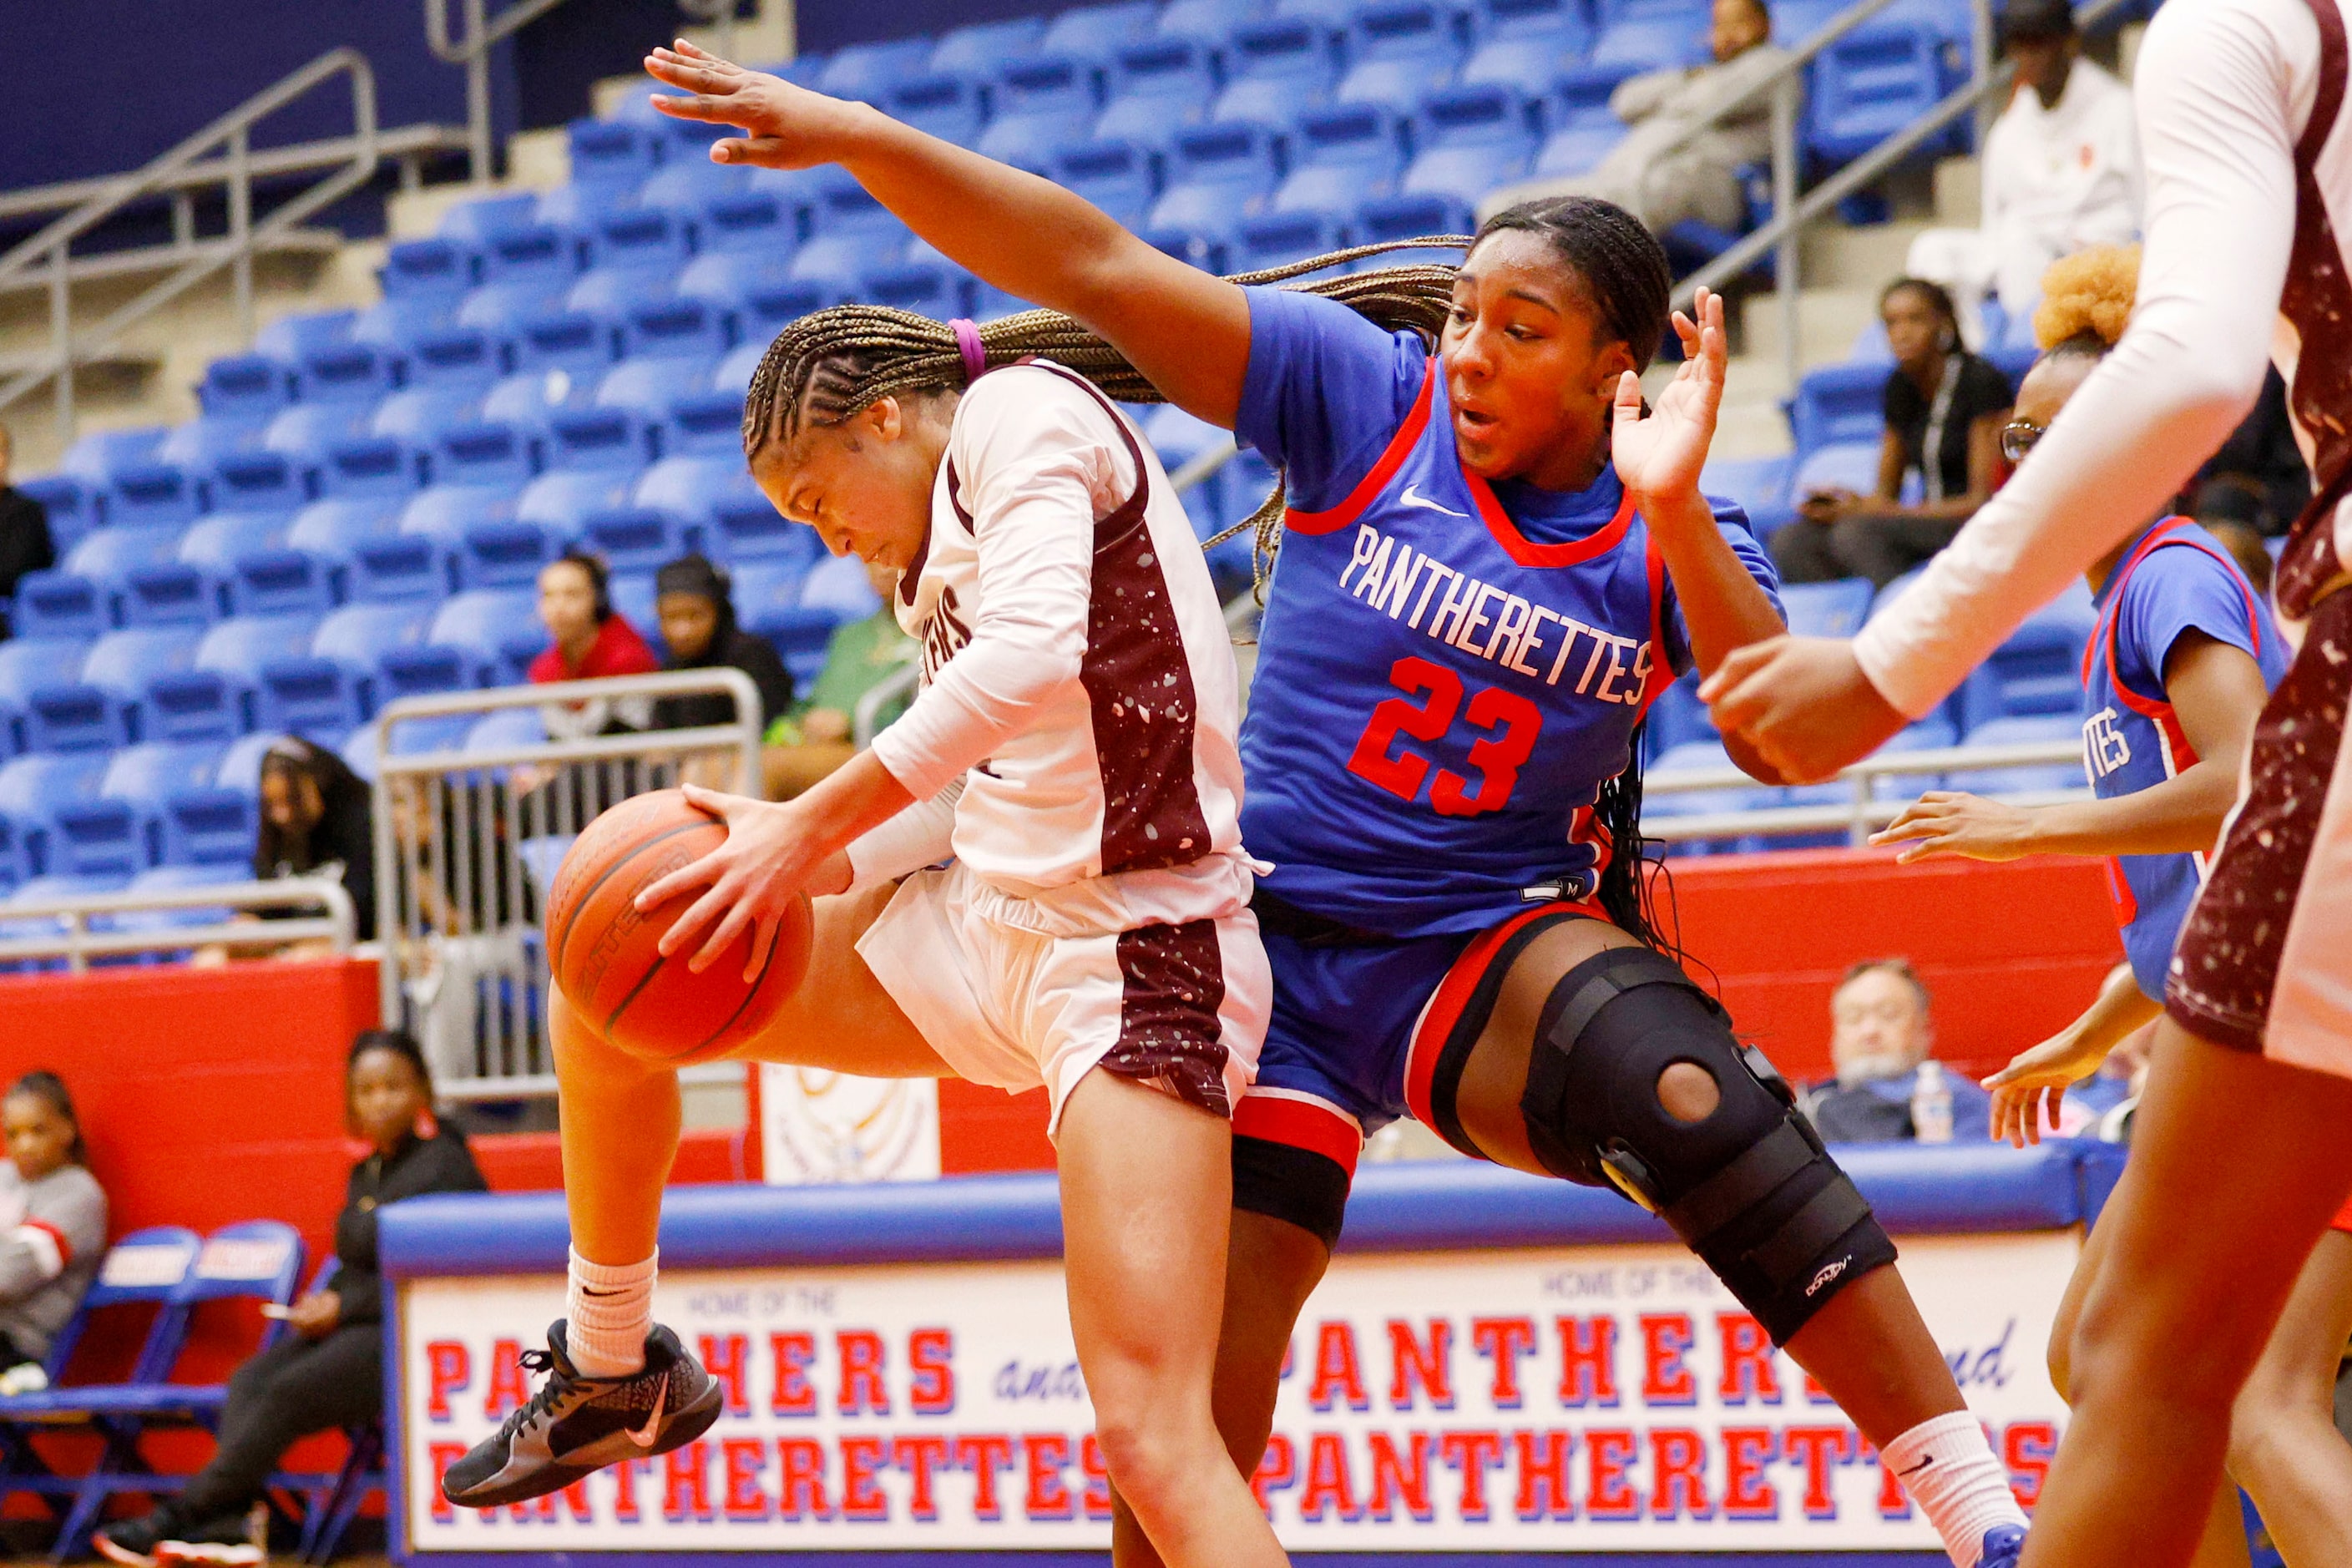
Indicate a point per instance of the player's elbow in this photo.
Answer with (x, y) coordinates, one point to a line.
(2206, 387)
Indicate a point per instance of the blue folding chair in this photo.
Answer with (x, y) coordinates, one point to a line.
(330, 1501)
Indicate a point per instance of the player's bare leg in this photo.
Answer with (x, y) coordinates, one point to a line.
(2161, 1352)
(1271, 1267)
(1146, 1184)
(2283, 1445)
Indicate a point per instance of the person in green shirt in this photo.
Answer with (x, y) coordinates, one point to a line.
(815, 736)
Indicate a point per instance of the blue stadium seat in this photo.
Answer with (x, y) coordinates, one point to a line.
(1046, 84)
(420, 415)
(600, 438)
(978, 48)
(280, 582)
(370, 468)
(391, 326)
(347, 372)
(1281, 238)
(148, 495)
(317, 698)
(1098, 29)
(762, 589)
(1219, 175)
(528, 398)
(612, 151)
(833, 262)
(201, 442)
(648, 386)
(357, 636)
(399, 569)
(212, 827)
(1465, 171)
(1643, 44)
(145, 777)
(509, 309)
(1535, 19)
(633, 537)
(683, 188)
(421, 671)
(645, 240)
(215, 698)
(943, 104)
(754, 221)
(1028, 141)
(101, 710)
(1840, 465)
(799, 636)
(1485, 116)
(55, 604)
(1209, 21)
(33, 789)
(705, 422)
(839, 583)
(2022, 730)
(1827, 609)
(484, 454)
(634, 598)
(1283, 49)
(925, 289)
(112, 552)
(237, 647)
(739, 526)
(1116, 176)
(73, 503)
(580, 345)
(505, 554)
(1389, 80)
(1339, 157)
(173, 593)
(490, 625)
(866, 71)
(244, 386)
(1180, 73)
(735, 372)
(434, 269)
(26, 662)
(609, 290)
(218, 540)
(304, 431)
(543, 254)
(1576, 149)
(765, 302)
(257, 481)
(2038, 670)
(689, 488)
(331, 528)
(674, 329)
(1533, 61)
(1398, 49)
(1838, 403)
(288, 338)
(1872, 82)
(480, 220)
(461, 359)
(560, 501)
(97, 455)
(442, 513)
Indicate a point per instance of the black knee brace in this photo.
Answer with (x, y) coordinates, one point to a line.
(1748, 1187)
(1308, 1189)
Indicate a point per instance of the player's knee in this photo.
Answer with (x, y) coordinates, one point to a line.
(1636, 1081)
(1150, 1451)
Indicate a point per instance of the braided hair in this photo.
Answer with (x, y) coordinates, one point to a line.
(831, 364)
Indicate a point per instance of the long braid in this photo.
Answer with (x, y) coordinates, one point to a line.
(828, 365)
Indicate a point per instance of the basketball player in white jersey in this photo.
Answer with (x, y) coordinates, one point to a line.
(2242, 1150)
(1072, 748)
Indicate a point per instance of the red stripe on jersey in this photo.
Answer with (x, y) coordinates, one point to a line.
(1524, 551)
(1300, 1124)
(1368, 489)
(1452, 994)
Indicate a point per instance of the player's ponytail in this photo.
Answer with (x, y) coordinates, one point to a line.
(1629, 880)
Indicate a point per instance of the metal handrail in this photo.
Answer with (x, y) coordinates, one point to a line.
(232, 131)
(78, 943)
(1864, 810)
(483, 33)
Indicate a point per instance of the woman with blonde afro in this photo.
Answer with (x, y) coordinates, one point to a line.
(2181, 659)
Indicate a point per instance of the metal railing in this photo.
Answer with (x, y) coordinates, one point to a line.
(175, 173)
(468, 839)
(92, 925)
(472, 49)
(1864, 810)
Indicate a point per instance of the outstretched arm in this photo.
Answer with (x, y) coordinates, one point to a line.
(1185, 329)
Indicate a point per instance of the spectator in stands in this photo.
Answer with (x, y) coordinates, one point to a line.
(806, 745)
(329, 1372)
(1692, 131)
(25, 542)
(2061, 171)
(696, 606)
(592, 639)
(1944, 409)
(52, 1226)
(1881, 1035)
(316, 821)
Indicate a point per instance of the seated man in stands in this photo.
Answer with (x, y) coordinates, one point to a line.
(1692, 130)
(1888, 1087)
(2061, 171)
(25, 542)
(806, 744)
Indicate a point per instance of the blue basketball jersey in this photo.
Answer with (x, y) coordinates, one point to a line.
(1438, 695)
(2174, 578)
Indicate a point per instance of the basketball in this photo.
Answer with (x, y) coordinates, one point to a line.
(603, 952)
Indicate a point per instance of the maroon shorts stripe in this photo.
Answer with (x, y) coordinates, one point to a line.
(1173, 988)
(2226, 965)
(1300, 1124)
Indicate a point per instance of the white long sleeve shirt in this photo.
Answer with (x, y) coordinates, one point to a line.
(2061, 178)
(2224, 88)
(1074, 741)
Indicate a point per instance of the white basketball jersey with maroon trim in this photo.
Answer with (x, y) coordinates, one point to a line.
(2313, 346)
(1079, 678)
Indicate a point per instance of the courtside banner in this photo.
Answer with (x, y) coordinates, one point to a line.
(1588, 1398)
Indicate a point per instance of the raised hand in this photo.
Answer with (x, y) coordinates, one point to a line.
(1661, 455)
(783, 126)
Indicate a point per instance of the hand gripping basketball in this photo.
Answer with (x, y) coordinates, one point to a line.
(751, 882)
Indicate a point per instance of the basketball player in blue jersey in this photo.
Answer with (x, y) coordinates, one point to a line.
(2183, 657)
(1491, 564)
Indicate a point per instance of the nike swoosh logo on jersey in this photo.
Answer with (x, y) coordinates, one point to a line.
(1412, 497)
(643, 1436)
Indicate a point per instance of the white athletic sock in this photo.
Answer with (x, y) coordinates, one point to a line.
(608, 1311)
(1950, 1471)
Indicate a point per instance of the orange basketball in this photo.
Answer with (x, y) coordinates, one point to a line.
(603, 950)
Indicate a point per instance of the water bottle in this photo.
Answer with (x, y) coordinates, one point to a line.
(1931, 1105)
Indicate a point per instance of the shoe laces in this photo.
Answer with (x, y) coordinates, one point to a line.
(558, 1383)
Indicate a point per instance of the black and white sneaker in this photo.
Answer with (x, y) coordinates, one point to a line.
(576, 1425)
(232, 1540)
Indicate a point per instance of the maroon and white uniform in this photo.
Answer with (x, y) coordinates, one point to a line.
(2248, 144)
(1073, 749)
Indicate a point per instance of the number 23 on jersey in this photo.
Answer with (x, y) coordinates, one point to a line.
(1505, 724)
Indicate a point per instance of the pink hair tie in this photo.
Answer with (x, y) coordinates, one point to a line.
(968, 343)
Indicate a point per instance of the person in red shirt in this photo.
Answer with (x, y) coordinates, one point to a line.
(592, 638)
